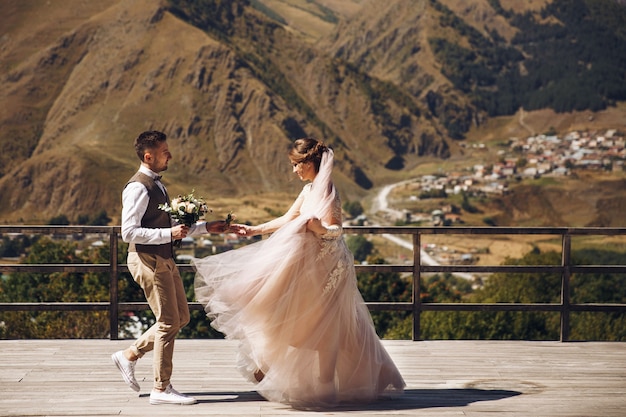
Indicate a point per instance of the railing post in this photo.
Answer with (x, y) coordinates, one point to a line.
(417, 299)
(566, 262)
(113, 286)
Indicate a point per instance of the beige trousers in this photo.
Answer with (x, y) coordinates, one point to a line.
(163, 287)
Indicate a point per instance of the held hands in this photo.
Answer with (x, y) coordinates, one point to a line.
(221, 226)
(314, 225)
(218, 226)
(180, 231)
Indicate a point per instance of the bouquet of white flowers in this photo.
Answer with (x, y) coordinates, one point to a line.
(186, 209)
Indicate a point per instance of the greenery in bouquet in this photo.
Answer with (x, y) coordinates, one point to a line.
(230, 217)
(186, 209)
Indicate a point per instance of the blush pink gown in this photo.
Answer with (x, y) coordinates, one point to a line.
(292, 302)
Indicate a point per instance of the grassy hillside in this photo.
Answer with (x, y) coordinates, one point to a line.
(586, 198)
(233, 85)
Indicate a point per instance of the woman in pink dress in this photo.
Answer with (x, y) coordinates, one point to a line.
(291, 300)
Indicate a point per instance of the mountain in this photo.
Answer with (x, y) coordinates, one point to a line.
(232, 83)
(72, 107)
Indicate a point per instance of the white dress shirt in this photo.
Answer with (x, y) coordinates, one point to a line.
(134, 204)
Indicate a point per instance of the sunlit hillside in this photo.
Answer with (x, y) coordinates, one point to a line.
(399, 89)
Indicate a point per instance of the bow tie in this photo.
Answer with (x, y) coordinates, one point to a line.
(158, 177)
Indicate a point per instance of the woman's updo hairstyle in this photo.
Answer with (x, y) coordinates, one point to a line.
(308, 150)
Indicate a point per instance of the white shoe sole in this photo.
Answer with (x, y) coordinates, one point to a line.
(161, 402)
(134, 386)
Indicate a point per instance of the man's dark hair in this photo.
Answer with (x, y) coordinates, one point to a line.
(148, 140)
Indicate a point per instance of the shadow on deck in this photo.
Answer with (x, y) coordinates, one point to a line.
(444, 378)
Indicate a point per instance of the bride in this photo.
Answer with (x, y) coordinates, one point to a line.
(291, 300)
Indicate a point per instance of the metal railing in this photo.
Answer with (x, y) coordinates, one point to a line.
(565, 307)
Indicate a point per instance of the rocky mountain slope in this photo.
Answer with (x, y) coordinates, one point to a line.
(72, 108)
(232, 84)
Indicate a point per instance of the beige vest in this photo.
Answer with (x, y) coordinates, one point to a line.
(153, 217)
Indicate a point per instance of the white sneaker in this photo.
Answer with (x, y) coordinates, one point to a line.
(170, 396)
(127, 368)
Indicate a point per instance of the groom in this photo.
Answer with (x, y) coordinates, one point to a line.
(150, 233)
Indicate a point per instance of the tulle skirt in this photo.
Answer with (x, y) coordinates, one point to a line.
(293, 304)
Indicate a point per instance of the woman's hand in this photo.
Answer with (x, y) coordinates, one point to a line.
(243, 230)
(315, 226)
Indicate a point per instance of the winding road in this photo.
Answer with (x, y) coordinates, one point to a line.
(381, 204)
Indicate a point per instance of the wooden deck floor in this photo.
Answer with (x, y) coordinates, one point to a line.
(444, 378)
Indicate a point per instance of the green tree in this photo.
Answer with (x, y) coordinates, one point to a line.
(467, 205)
(353, 208)
(598, 288)
(533, 288)
(82, 219)
(100, 219)
(66, 287)
(60, 220)
(445, 288)
(199, 326)
(380, 287)
(56, 287)
(14, 247)
(519, 288)
(360, 247)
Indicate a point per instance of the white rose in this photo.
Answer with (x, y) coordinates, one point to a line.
(191, 208)
(175, 204)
